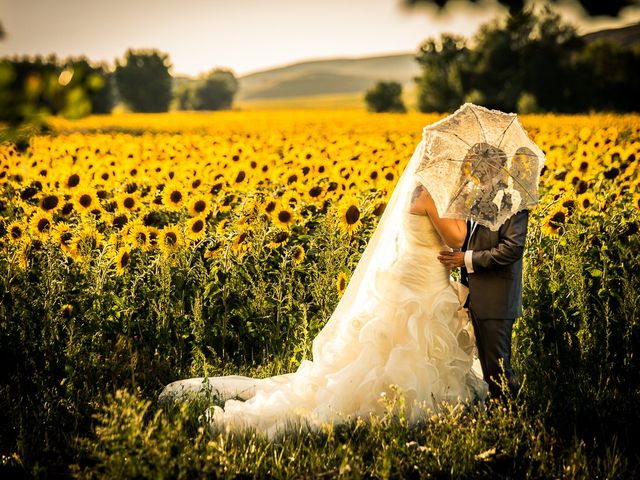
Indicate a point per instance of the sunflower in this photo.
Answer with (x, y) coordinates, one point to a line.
(583, 162)
(67, 209)
(555, 220)
(279, 238)
(40, 225)
(86, 200)
(199, 206)
(226, 202)
(291, 198)
(214, 251)
(315, 191)
(378, 210)
(349, 215)
(120, 222)
(240, 242)
(298, 254)
(239, 176)
(221, 228)
(372, 174)
(50, 202)
(170, 239)
(138, 236)
(123, 258)
(308, 153)
(341, 283)
(586, 200)
(196, 228)
(63, 236)
(173, 196)
(283, 216)
(154, 237)
(128, 202)
(269, 205)
(72, 180)
(16, 231)
(388, 174)
(103, 175)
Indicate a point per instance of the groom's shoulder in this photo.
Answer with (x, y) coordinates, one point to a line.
(518, 219)
(520, 216)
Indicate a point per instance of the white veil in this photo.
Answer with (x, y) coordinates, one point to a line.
(381, 251)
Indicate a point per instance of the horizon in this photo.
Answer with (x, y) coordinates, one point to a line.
(389, 28)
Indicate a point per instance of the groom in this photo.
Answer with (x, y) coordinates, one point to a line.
(491, 266)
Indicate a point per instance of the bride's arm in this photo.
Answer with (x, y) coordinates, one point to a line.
(451, 230)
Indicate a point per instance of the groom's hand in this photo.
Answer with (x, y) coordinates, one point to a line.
(451, 259)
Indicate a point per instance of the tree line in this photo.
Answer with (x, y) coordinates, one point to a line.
(33, 87)
(531, 62)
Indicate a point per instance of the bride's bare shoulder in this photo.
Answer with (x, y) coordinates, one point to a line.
(419, 199)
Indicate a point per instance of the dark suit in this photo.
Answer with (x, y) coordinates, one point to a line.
(495, 294)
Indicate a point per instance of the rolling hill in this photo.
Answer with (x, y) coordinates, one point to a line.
(342, 82)
(624, 36)
(327, 83)
(321, 77)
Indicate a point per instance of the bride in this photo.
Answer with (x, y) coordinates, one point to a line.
(399, 322)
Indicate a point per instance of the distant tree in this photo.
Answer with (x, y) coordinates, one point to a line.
(32, 88)
(531, 61)
(213, 91)
(143, 80)
(608, 77)
(2, 34)
(96, 83)
(441, 86)
(592, 7)
(103, 99)
(183, 97)
(530, 52)
(385, 97)
(527, 103)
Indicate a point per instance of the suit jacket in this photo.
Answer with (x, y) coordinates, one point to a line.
(495, 286)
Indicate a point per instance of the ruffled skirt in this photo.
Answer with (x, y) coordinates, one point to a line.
(411, 332)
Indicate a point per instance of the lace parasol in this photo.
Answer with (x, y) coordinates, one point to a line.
(480, 164)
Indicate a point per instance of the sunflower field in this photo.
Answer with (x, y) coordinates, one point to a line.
(137, 249)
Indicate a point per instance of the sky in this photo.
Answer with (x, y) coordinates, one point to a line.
(246, 35)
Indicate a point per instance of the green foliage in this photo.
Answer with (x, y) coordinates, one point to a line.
(214, 91)
(608, 74)
(72, 336)
(440, 87)
(135, 439)
(31, 89)
(579, 335)
(73, 333)
(143, 80)
(592, 7)
(532, 53)
(385, 97)
(527, 103)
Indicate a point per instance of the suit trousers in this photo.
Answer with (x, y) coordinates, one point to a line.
(493, 339)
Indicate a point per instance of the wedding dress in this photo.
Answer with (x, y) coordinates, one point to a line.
(399, 322)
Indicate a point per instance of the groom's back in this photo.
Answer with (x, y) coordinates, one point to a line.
(495, 286)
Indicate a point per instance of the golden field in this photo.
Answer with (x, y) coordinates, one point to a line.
(103, 182)
(140, 249)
